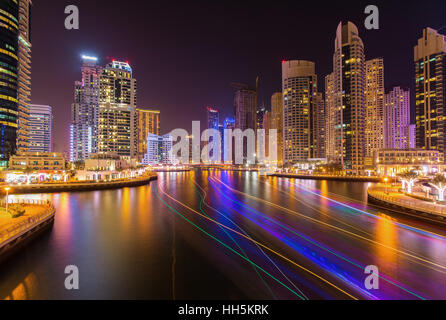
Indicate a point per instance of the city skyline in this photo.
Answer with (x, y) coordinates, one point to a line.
(215, 91)
(222, 151)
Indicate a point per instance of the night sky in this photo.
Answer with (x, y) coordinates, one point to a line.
(185, 54)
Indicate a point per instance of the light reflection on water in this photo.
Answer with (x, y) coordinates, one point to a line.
(128, 244)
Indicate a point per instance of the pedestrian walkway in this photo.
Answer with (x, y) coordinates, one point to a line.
(393, 196)
(36, 211)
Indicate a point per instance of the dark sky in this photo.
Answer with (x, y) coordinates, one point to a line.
(185, 54)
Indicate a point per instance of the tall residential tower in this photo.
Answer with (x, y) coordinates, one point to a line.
(397, 119)
(84, 112)
(349, 81)
(117, 111)
(24, 75)
(374, 105)
(277, 123)
(41, 128)
(212, 118)
(430, 91)
(148, 122)
(299, 87)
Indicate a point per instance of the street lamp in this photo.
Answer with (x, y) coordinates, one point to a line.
(386, 180)
(7, 198)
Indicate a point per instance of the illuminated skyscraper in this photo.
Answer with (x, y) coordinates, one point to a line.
(228, 124)
(397, 116)
(299, 83)
(319, 135)
(348, 110)
(117, 111)
(84, 112)
(221, 130)
(148, 122)
(332, 141)
(412, 136)
(267, 126)
(213, 123)
(374, 100)
(9, 32)
(24, 75)
(41, 128)
(277, 123)
(212, 118)
(430, 91)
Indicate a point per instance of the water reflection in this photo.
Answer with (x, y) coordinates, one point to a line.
(132, 243)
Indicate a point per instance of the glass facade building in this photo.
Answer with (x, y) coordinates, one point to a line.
(9, 32)
(430, 91)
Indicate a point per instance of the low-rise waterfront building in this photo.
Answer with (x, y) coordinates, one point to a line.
(391, 162)
(37, 161)
(107, 175)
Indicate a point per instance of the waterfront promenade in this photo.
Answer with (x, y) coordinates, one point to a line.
(394, 198)
(79, 185)
(14, 232)
(327, 177)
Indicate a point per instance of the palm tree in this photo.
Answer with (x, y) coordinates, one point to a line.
(439, 183)
(408, 178)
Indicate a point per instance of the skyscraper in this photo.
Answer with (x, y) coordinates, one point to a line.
(397, 116)
(117, 110)
(349, 100)
(9, 32)
(24, 75)
(84, 111)
(245, 106)
(332, 140)
(267, 126)
(245, 113)
(412, 136)
(319, 135)
(277, 123)
(221, 130)
(299, 82)
(374, 101)
(430, 91)
(41, 128)
(228, 124)
(213, 122)
(148, 122)
(212, 118)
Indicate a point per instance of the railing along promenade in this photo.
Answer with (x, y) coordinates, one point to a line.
(405, 202)
(80, 185)
(326, 177)
(16, 230)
